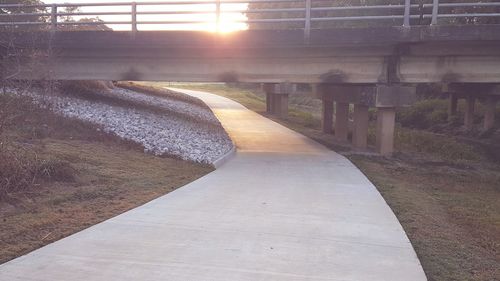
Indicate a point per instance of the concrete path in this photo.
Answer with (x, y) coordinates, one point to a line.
(284, 208)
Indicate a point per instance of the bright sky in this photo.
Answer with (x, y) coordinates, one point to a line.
(228, 21)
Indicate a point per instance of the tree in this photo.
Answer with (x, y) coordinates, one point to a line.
(12, 54)
(68, 22)
(12, 15)
(65, 22)
(324, 14)
(370, 12)
(470, 10)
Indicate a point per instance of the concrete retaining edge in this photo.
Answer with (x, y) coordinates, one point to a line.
(224, 158)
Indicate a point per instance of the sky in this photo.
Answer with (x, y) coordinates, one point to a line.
(228, 20)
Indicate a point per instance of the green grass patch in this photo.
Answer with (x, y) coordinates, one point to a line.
(441, 146)
(424, 114)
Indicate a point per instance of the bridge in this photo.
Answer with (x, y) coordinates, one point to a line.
(366, 55)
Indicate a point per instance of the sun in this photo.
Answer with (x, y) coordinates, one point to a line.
(169, 17)
(230, 23)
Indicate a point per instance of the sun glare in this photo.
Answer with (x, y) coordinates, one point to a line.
(202, 17)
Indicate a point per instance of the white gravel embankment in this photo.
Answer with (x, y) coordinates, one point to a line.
(165, 127)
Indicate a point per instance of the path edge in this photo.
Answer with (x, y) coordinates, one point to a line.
(224, 158)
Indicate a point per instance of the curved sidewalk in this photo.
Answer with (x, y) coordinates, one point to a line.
(284, 208)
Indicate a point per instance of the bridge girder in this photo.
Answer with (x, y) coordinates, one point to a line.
(360, 56)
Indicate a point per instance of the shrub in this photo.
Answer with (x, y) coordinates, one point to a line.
(21, 168)
(55, 170)
(20, 164)
(424, 114)
(445, 147)
(308, 120)
(83, 88)
(16, 169)
(13, 110)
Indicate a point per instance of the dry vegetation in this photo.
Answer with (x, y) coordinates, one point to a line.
(443, 184)
(58, 176)
(450, 212)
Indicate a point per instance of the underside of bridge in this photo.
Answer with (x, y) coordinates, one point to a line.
(365, 67)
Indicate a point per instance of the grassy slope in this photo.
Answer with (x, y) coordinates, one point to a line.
(451, 214)
(444, 192)
(108, 177)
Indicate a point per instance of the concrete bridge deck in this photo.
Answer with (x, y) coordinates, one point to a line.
(284, 208)
(417, 54)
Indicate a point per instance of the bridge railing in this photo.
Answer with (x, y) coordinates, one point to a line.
(218, 14)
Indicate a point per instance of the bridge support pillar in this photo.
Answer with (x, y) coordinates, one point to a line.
(360, 129)
(341, 120)
(280, 105)
(488, 93)
(452, 106)
(269, 103)
(327, 116)
(277, 97)
(388, 98)
(386, 120)
(469, 112)
(489, 113)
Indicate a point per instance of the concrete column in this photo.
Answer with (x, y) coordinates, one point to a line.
(280, 105)
(341, 120)
(452, 107)
(386, 121)
(269, 103)
(274, 104)
(327, 116)
(360, 131)
(277, 97)
(469, 112)
(489, 113)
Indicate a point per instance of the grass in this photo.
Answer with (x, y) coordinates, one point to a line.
(437, 146)
(450, 213)
(84, 176)
(432, 114)
(444, 191)
(248, 97)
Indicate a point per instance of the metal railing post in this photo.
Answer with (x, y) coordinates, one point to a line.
(134, 17)
(435, 11)
(53, 17)
(217, 15)
(307, 24)
(406, 21)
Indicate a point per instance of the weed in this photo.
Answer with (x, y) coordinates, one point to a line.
(21, 167)
(55, 170)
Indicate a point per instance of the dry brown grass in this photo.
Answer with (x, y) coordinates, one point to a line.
(78, 176)
(110, 180)
(450, 213)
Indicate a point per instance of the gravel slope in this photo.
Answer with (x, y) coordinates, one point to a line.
(163, 126)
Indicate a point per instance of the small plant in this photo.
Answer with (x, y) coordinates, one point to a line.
(16, 169)
(21, 168)
(55, 170)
